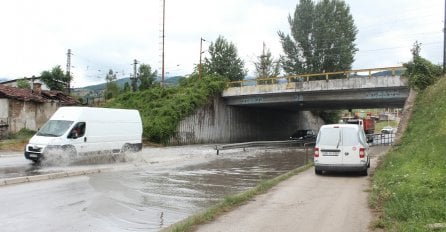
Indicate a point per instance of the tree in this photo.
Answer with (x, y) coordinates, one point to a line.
(416, 49)
(55, 79)
(146, 76)
(266, 66)
(23, 84)
(421, 72)
(111, 87)
(126, 88)
(322, 38)
(224, 60)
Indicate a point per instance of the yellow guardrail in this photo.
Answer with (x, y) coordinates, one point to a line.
(307, 77)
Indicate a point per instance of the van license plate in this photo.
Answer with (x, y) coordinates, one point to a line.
(33, 155)
(330, 153)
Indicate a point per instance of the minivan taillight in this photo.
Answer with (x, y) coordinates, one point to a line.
(316, 152)
(361, 152)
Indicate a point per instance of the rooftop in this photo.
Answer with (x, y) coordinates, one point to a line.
(36, 96)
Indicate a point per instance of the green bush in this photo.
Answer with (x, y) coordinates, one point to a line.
(329, 116)
(23, 134)
(421, 73)
(162, 109)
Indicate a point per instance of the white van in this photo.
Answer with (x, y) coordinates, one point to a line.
(341, 147)
(84, 130)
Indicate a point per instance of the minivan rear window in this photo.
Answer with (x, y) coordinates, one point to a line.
(349, 137)
(338, 136)
(329, 136)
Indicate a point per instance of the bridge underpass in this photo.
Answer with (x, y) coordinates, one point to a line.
(252, 112)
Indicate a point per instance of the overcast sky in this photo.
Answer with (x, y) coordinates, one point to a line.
(110, 34)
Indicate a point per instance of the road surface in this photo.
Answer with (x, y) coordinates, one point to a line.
(305, 202)
(159, 187)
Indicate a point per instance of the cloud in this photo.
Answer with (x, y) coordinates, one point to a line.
(110, 34)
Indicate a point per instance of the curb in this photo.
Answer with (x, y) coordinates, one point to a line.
(50, 176)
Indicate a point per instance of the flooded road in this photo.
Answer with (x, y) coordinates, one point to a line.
(155, 197)
(157, 188)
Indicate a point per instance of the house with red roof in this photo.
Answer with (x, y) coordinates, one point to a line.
(29, 108)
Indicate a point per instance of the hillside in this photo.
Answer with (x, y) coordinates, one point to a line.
(162, 109)
(409, 186)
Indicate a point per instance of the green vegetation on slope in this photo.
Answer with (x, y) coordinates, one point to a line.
(409, 186)
(162, 109)
(16, 141)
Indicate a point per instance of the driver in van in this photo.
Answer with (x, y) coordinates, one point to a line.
(75, 132)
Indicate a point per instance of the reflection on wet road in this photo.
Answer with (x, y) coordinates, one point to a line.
(156, 188)
(155, 197)
(15, 165)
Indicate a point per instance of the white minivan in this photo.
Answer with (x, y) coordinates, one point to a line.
(341, 147)
(74, 131)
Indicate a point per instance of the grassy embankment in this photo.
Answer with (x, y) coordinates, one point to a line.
(17, 141)
(409, 185)
(162, 109)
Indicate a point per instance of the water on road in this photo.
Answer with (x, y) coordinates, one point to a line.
(150, 191)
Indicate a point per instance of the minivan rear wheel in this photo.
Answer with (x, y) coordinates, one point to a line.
(365, 172)
(317, 171)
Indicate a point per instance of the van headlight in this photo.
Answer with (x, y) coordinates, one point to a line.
(34, 148)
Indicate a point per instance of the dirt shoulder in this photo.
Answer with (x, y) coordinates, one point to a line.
(306, 202)
(12, 145)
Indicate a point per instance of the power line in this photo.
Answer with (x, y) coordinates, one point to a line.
(399, 47)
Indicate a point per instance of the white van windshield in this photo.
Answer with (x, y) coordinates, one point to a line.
(54, 128)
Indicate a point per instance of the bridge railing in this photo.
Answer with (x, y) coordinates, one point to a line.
(314, 76)
(256, 144)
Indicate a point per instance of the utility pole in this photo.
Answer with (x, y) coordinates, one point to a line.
(162, 56)
(135, 75)
(263, 62)
(69, 70)
(200, 70)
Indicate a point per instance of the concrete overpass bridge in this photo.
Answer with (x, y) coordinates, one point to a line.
(273, 108)
(353, 89)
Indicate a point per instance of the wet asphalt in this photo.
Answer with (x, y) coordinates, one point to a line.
(145, 192)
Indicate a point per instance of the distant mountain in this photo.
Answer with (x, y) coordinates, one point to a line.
(2, 79)
(170, 81)
(388, 73)
(100, 87)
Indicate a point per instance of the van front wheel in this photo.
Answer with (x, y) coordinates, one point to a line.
(70, 151)
(126, 148)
